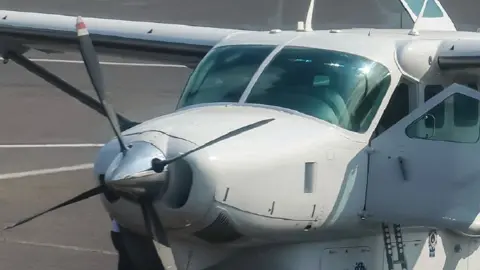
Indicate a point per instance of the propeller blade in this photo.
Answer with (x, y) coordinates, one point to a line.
(153, 225)
(67, 88)
(96, 77)
(159, 165)
(83, 196)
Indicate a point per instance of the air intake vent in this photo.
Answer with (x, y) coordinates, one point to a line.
(180, 180)
(220, 231)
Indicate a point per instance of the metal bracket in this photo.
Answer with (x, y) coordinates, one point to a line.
(399, 244)
(364, 214)
(432, 242)
(388, 246)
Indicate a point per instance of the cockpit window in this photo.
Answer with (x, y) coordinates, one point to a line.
(224, 74)
(341, 88)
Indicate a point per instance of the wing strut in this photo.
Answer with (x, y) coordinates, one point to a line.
(65, 87)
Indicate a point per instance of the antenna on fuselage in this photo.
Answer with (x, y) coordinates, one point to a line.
(307, 25)
(414, 30)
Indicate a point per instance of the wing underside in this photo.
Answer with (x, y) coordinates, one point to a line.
(459, 55)
(178, 44)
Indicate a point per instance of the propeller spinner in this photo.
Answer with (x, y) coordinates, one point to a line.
(145, 186)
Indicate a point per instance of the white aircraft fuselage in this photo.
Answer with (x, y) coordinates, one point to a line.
(367, 157)
(302, 183)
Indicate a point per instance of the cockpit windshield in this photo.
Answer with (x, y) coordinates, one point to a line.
(223, 74)
(340, 88)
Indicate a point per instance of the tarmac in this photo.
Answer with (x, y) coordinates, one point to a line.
(48, 142)
(36, 114)
(252, 14)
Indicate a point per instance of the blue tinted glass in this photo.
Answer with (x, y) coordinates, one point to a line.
(340, 88)
(463, 129)
(223, 74)
(431, 10)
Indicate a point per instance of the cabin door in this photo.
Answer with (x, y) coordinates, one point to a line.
(425, 169)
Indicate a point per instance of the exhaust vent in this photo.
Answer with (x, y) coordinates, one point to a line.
(220, 231)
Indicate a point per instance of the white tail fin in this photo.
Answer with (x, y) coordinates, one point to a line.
(434, 16)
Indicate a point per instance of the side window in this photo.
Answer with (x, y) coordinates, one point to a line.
(397, 108)
(450, 132)
(473, 86)
(465, 110)
(439, 112)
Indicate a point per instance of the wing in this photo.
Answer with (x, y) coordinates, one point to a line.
(459, 55)
(51, 33)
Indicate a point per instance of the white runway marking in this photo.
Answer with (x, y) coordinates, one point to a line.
(76, 248)
(56, 145)
(46, 171)
(106, 63)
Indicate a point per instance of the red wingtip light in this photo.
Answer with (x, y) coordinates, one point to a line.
(81, 27)
(80, 23)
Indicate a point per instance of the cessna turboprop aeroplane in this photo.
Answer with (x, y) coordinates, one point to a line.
(306, 149)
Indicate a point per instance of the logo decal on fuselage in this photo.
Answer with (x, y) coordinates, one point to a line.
(360, 266)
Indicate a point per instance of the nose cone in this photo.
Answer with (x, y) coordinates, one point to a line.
(131, 172)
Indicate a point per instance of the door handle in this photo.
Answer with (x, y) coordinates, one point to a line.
(403, 170)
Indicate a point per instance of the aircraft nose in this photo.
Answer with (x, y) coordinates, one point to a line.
(131, 172)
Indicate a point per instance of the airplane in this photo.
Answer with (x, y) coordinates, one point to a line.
(300, 149)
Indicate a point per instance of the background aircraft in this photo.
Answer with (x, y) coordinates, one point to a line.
(254, 15)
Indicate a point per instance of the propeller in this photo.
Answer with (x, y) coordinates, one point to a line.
(157, 165)
(82, 196)
(145, 181)
(96, 77)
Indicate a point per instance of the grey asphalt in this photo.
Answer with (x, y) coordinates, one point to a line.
(31, 111)
(250, 14)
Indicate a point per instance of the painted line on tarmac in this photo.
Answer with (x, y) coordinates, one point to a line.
(76, 248)
(46, 171)
(51, 145)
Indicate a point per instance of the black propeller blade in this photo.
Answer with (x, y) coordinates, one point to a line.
(82, 196)
(95, 73)
(67, 88)
(153, 225)
(151, 218)
(146, 202)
